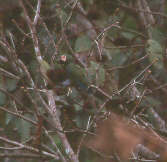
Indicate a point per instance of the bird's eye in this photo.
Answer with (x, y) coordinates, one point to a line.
(63, 58)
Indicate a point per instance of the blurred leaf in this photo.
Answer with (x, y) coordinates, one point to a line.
(82, 120)
(57, 140)
(129, 24)
(156, 34)
(33, 66)
(152, 101)
(44, 66)
(92, 71)
(101, 76)
(11, 84)
(127, 35)
(83, 43)
(154, 47)
(24, 128)
(96, 73)
(155, 51)
(2, 98)
(9, 118)
(118, 58)
(78, 107)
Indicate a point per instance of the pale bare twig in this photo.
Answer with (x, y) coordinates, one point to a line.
(18, 115)
(55, 146)
(21, 155)
(55, 117)
(9, 74)
(32, 27)
(36, 18)
(29, 148)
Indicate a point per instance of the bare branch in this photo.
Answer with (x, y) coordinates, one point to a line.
(36, 18)
(29, 148)
(55, 117)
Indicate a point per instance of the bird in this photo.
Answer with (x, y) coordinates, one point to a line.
(75, 73)
(65, 72)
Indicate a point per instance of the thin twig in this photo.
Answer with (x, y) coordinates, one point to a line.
(29, 148)
(36, 18)
(18, 115)
(55, 117)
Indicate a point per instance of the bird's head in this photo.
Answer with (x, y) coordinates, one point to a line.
(66, 59)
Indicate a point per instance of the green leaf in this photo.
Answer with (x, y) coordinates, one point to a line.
(96, 74)
(11, 84)
(44, 66)
(154, 102)
(92, 71)
(83, 43)
(154, 47)
(101, 76)
(127, 35)
(156, 34)
(9, 118)
(24, 128)
(2, 98)
(57, 140)
(118, 58)
(155, 52)
(78, 107)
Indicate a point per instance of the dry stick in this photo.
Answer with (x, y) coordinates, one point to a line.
(36, 18)
(47, 134)
(126, 86)
(138, 103)
(52, 141)
(139, 75)
(55, 115)
(115, 24)
(71, 50)
(151, 129)
(70, 15)
(20, 29)
(29, 148)
(54, 144)
(125, 66)
(89, 125)
(83, 137)
(22, 155)
(122, 4)
(51, 37)
(44, 24)
(18, 115)
(9, 74)
(124, 47)
(14, 98)
(36, 109)
(32, 27)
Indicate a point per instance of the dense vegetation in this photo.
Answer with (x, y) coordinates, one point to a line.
(83, 80)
